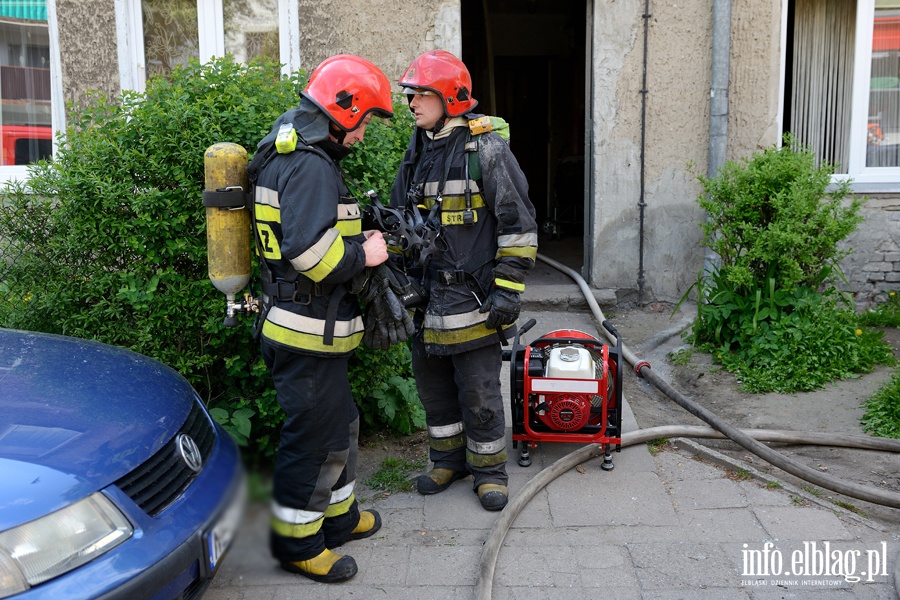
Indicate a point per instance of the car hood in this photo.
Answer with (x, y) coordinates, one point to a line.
(76, 415)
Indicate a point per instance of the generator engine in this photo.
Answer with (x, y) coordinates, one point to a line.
(566, 387)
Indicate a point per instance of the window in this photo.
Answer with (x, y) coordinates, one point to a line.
(26, 95)
(156, 35)
(842, 90)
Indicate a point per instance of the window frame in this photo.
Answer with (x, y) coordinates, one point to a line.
(20, 173)
(211, 33)
(865, 179)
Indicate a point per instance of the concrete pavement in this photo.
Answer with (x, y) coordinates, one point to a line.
(677, 524)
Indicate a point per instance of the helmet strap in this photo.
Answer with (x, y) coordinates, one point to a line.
(337, 133)
(438, 126)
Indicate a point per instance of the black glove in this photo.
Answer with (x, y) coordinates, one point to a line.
(504, 307)
(387, 321)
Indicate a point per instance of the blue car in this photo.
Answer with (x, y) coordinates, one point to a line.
(114, 480)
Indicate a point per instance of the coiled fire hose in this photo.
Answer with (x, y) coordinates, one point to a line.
(747, 438)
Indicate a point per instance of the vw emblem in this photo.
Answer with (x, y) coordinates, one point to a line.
(189, 452)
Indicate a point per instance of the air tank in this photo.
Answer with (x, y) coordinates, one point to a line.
(227, 222)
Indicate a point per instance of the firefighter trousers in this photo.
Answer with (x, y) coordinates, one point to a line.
(464, 410)
(313, 504)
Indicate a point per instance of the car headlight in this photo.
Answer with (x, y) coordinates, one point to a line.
(59, 542)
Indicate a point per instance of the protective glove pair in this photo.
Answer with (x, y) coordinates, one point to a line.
(386, 319)
(503, 306)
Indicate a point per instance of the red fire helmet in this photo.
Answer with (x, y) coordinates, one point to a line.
(444, 74)
(348, 88)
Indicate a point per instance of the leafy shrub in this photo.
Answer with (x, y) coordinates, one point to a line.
(770, 311)
(107, 241)
(771, 217)
(882, 416)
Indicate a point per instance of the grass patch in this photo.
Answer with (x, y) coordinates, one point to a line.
(848, 506)
(681, 357)
(393, 476)
(886, 314)
(738, 475)
(773, 485)
(882, 416)
(656, 446)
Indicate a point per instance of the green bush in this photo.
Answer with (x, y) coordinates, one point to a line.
(772, 217)
(107, 241)
(769, 311)
(882, 416)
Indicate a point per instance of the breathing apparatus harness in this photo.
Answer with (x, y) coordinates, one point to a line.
(292, 287)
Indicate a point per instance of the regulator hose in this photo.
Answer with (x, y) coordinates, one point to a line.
(748, 439)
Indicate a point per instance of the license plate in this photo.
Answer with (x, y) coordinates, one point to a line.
(222, 534)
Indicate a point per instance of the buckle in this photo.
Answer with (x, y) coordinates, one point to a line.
(297, 295)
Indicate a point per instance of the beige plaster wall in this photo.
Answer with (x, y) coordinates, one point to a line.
(390, 33)
(755, 81)
(87, 44)
(676, 130)
(676, 149)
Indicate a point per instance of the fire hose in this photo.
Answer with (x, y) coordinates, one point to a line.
(751, 440)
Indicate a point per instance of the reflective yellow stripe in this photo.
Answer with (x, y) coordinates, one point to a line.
(519, 252)
(309, 341)
(459, 336)
(321, 259)
(340, 508)
(349, 228)
(522, 245)
(447, 443)
(299, 331)
(267, 213)
(295, 530)
(509, 285)
(349, 222)
(486, 460)
(459, 202)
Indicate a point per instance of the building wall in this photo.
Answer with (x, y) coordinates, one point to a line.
(873, 267)
(87, 44)
(390, 33)
(676, 125)
(675, 146)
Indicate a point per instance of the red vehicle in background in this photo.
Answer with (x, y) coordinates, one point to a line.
(23, 144)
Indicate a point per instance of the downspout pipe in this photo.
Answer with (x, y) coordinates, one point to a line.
(642, 203)
(718, 100)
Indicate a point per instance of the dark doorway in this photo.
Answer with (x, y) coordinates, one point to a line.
(527, 60)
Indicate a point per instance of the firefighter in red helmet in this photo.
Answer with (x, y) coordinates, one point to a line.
(460, 172)
(312, 249)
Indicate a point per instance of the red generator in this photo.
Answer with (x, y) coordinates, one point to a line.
(566, 387)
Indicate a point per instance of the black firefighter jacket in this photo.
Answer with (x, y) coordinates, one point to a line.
(309, 236)
(489, 240)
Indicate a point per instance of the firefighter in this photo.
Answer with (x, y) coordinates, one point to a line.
(467, 183)
(312, 252)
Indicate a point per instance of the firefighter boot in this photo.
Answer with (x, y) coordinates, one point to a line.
(369, 523)
(438, 480)
(492, 496)
(327, 567)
